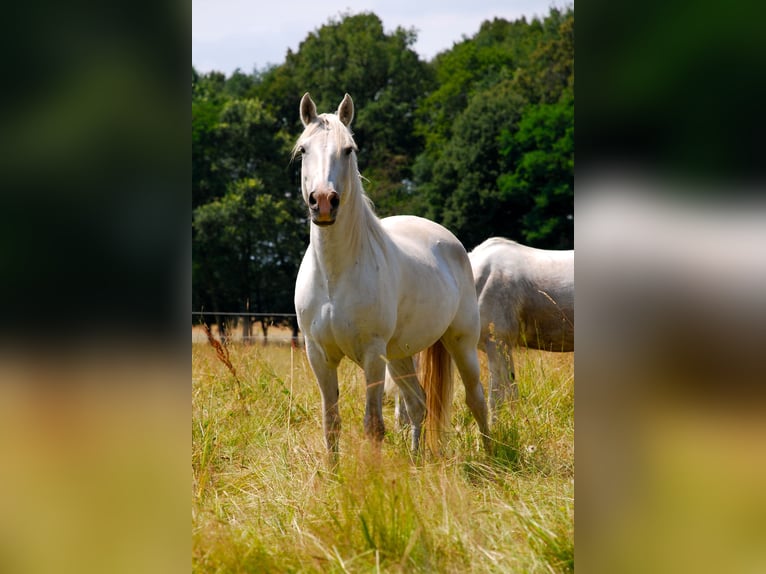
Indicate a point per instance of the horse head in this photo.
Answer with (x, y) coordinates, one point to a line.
(328, 159)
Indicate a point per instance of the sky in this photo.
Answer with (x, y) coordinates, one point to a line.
(251, 34)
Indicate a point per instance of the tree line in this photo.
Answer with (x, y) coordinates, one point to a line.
(479, 139)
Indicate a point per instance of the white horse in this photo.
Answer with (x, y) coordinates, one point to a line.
(526, 298)
(380, 291)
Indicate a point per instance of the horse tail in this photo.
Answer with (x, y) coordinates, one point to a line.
(436, 376)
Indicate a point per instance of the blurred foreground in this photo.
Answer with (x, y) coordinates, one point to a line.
(96, 452)
(670, 425)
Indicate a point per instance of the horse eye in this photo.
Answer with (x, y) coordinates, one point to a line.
(348, 150)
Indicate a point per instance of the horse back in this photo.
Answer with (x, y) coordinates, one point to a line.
(424, 246)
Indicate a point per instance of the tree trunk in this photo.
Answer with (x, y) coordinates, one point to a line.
(247, 329)
(265, 329)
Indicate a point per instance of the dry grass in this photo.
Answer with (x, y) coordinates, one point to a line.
(263, 500)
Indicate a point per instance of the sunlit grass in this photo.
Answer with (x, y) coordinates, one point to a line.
(264, 501)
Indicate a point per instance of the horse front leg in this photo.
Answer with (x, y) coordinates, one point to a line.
(326, 373)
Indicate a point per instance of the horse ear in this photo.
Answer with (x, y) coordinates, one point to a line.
(308, 110)
(346, 110)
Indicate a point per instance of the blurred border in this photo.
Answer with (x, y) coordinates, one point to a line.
(95, 260)
(670, 233)
(94, 250)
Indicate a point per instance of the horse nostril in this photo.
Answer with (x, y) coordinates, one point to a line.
(334, 200)
(312, 199)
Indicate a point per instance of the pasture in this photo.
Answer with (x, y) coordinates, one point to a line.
(264, 501)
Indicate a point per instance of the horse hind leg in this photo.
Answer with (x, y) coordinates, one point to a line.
(391, 389)
(463, 351)
(402, 372)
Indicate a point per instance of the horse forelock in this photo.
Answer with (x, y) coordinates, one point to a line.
(327, 122)
(343, 136)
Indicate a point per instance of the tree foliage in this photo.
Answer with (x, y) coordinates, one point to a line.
(248, 230)
(480, 139)
(469, 174)
(540, 186)
(246, 249)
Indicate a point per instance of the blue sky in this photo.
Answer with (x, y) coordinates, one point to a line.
(230, 34)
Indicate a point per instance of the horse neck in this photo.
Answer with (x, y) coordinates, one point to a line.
(351, 238)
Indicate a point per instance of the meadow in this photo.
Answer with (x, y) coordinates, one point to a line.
(263, 499)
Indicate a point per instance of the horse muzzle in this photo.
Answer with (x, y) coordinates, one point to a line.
(323, 207)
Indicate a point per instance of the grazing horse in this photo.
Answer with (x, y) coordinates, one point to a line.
(526, 298)
(378, 291)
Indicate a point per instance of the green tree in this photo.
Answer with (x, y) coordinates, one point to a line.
(550, 71)
(471, 177)
(239, 85)
(541, 185)
(247, 249)
(248, 230)
(250, 143)
(497, 51)
(386, 79)
(462, 192)
(207, 101)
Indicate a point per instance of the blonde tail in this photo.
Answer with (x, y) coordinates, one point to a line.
(435, 366)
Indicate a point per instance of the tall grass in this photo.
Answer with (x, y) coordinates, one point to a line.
(264, 501)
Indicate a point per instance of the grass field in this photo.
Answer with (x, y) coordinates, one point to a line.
(264, 501)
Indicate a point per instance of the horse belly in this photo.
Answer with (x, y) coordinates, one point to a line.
(420, 323)
(549, 332)
(409, 342)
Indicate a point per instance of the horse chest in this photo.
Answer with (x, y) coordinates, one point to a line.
(346, 313)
